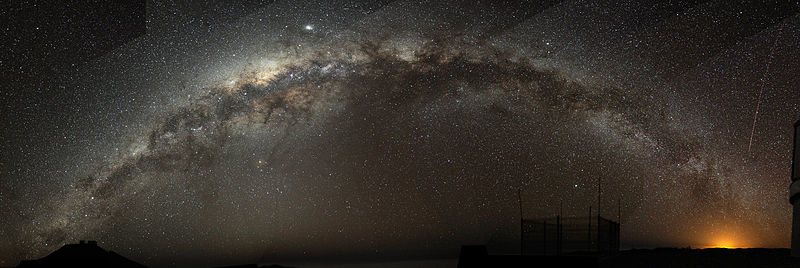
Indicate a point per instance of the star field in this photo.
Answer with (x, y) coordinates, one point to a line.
(257, 132)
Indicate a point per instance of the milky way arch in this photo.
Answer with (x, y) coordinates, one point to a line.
(384, 144)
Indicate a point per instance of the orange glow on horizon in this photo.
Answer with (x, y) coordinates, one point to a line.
(723, 244)
(719, 233)
(726, 241)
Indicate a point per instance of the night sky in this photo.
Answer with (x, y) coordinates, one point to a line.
(225, 132)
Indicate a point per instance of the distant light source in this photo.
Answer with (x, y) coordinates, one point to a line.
(725, 244)
(309, 27)
(722, 244)
(729, 237)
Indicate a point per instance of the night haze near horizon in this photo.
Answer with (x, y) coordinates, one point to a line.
(227, 132)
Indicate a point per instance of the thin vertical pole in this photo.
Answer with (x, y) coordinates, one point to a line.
(559, 246)
(544, 237)
(558, 238)
(589, 229)
(599, 195)
(521, 231)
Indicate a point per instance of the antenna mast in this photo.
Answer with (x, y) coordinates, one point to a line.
(521, 231)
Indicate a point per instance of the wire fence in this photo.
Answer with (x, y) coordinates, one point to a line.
(569, 235)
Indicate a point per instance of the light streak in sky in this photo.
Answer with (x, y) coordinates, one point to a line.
(763, 85)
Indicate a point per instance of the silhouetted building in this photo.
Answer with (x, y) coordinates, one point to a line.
(794, 192)
(83, 254)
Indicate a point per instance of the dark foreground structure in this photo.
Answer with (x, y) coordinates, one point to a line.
(83, 254)
(794, 193)
(552, 242)
(476, 256)
(557, 236)
(712, 257)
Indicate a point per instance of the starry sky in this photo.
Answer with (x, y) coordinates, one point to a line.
(223, 131)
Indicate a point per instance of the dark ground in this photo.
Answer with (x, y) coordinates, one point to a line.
(714, 257)
(662, 257)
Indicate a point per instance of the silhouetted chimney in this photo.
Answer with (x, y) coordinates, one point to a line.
(82, 242)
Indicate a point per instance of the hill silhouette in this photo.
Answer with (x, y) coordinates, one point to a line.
(81, 255)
